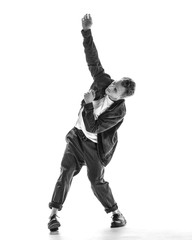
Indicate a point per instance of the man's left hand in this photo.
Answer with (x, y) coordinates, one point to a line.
(87, 22)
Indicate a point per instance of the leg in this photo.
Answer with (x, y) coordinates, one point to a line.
(62, 186)
(100, 187)
(69, 168)
(95, 171)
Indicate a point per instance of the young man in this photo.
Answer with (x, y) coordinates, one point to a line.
(93, 140)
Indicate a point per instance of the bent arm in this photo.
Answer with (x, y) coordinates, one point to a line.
(104, 122)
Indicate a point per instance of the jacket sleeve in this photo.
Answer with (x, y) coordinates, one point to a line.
(104, 122)
(92, 57)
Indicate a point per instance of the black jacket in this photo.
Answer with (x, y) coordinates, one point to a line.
(109, 121)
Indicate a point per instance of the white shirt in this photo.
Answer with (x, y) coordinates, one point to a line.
(99, 107)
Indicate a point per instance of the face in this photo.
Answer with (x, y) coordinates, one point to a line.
(115, 90)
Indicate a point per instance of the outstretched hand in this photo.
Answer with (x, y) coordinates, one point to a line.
(87, 22)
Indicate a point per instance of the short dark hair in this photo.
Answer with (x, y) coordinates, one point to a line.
(129, 86)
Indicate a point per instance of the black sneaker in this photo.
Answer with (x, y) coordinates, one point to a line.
(118, 220)
(53, 224)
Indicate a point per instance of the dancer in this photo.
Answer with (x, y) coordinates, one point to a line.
(93, 139)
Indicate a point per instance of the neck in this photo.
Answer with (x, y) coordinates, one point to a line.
(112, 99)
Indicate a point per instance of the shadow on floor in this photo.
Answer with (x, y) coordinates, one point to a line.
(124, 234)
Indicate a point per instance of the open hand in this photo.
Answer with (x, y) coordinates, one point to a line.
(87, 22)
(89, 96)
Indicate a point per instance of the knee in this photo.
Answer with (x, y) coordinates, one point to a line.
(96, 177)
(64, 169)
(96, 181)
(66, 173)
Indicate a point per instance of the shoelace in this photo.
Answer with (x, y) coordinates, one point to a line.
(116, 216)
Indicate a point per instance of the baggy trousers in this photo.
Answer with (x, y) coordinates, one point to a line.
(82, 151)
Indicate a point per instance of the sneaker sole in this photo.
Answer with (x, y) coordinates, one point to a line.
(116, 225)
(54, 227)
(54, 230)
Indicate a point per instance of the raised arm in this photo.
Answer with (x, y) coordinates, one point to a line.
(91, 53)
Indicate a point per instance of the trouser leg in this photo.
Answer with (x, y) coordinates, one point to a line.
(95, 171)
(70, 166)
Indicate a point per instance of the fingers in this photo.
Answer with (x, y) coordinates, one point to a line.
(89, 96)
(86, 16)
(91, 91)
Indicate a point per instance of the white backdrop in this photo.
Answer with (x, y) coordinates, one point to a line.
(43, 78)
